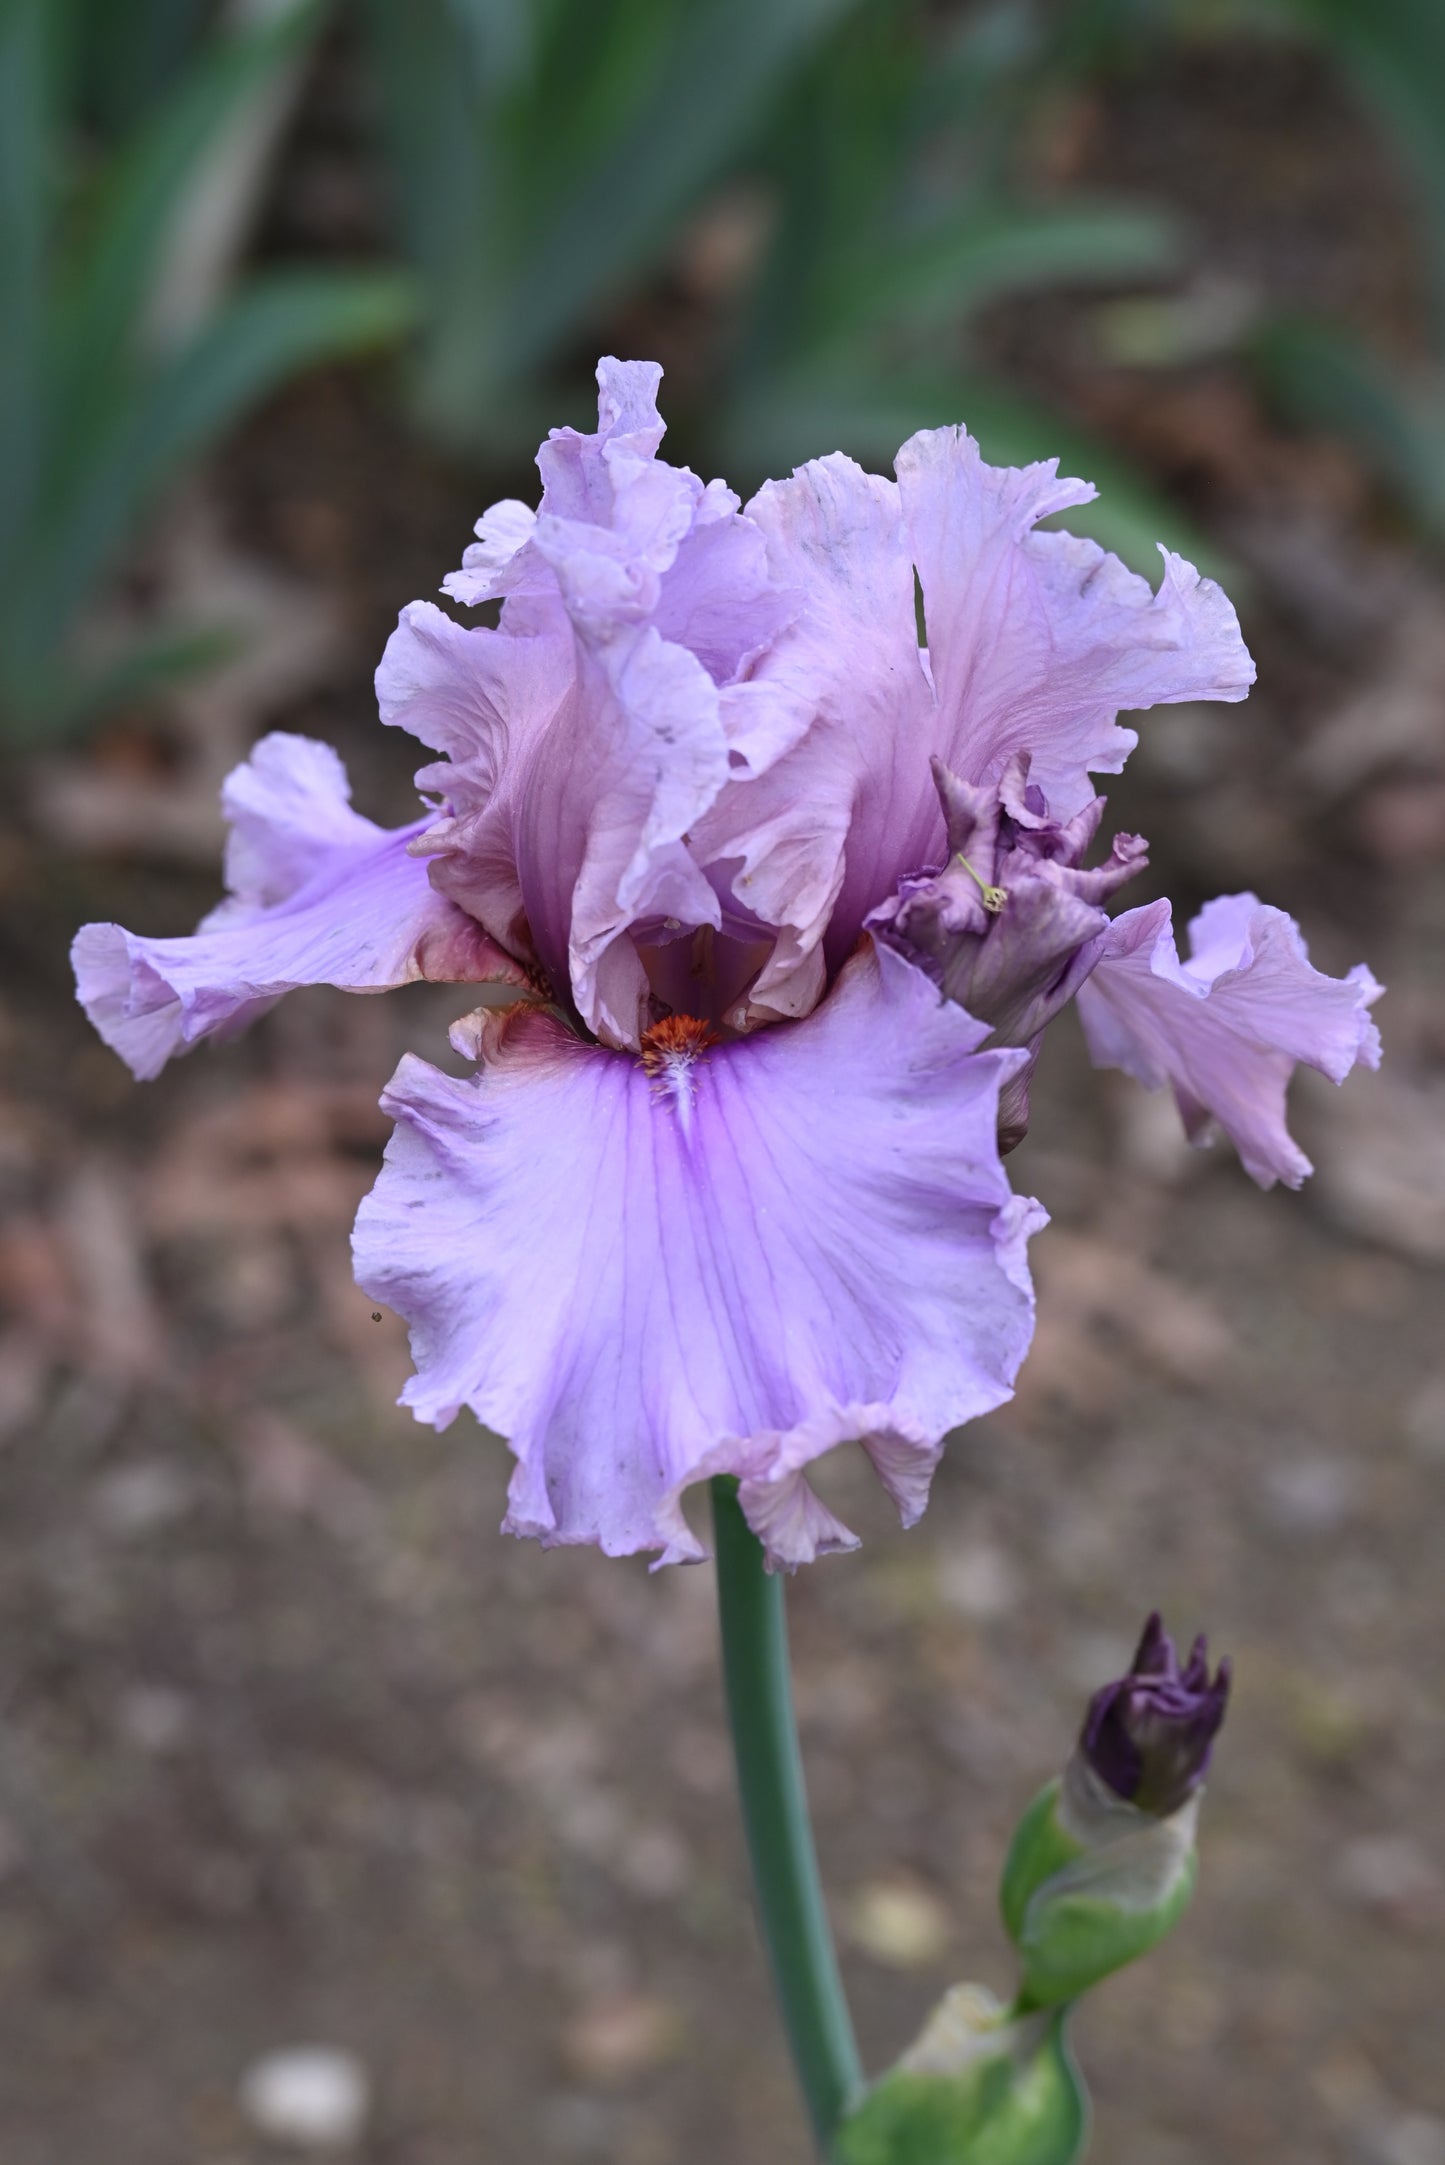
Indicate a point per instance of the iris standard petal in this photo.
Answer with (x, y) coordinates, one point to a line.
(731, 1262)
(1038, 641)
(816, 841)
(588, 734)
(1035, 643)
(320, 896)
(1228, 1027)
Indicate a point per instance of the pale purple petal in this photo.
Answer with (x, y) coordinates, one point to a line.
(574, 775)
(823, 835)
(287, 802)
(320, 896)
(576, 483)
(588, 735)
(489, 564)
(504, 708)
(732, 1264)
(720, 600)
(1227, 1028)
(1037, 641)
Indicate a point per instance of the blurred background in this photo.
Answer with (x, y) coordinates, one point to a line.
(294, 1749)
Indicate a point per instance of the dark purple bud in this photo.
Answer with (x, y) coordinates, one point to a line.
(1150, 1735)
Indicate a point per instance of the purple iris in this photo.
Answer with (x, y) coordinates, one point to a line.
(1150, 1735)
(774, 902)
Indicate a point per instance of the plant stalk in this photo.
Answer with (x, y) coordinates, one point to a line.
(788, 1890)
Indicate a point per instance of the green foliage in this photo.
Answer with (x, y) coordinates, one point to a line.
(544, 156)
(1394, 50)
(545, 152)
(1013, 2098)
(1327, 375)
(896, 224)
(99, 408)
(128, 56)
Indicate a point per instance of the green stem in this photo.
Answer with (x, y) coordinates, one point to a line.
(789, 1892)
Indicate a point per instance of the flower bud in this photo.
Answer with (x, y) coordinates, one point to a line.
(1103, 1862)
(1150, 1735)
(980, 2083)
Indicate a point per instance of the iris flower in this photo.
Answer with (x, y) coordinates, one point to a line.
(775, 900)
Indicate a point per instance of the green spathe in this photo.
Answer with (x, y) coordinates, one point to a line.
(980, 2087)
(1091, 1883)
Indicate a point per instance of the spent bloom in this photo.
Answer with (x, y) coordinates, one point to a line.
(773, 903)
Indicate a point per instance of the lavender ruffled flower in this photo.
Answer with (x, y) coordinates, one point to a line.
(1149, 1736)
(725, 1188)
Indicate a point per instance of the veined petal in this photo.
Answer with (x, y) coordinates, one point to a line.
(1228, 1027)
(577, 485)
(489, 564)
(320, 896)
(588, 734)
(820, 837)
(1037, 641)
(575, 773)
(731, 1263)
(503, 707)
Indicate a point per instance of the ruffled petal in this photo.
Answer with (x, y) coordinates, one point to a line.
(1227, 1028)
(504, 708)
(588, 735)
(489, 564)
(1037, 641)
(813, 843)
(730, 1263)
(320, 896)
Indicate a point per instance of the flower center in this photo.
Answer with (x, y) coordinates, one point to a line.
(675, 1042)
(992, 898)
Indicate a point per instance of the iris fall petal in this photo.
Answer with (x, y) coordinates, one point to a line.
(730, 1264)
(319, 896)
(1228, 1027)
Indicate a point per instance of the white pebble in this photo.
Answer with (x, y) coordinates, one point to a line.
(311, 2095)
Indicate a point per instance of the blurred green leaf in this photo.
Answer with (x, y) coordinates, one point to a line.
(128, 56)
(1395, 51)
(894, 229)
(99, 405)
(56, 699)
(727, 61)
(1326, 377)
(29, 69)
(533, 176)
(988, 250)
(870, 416)
(250, 345)
(112, 276)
